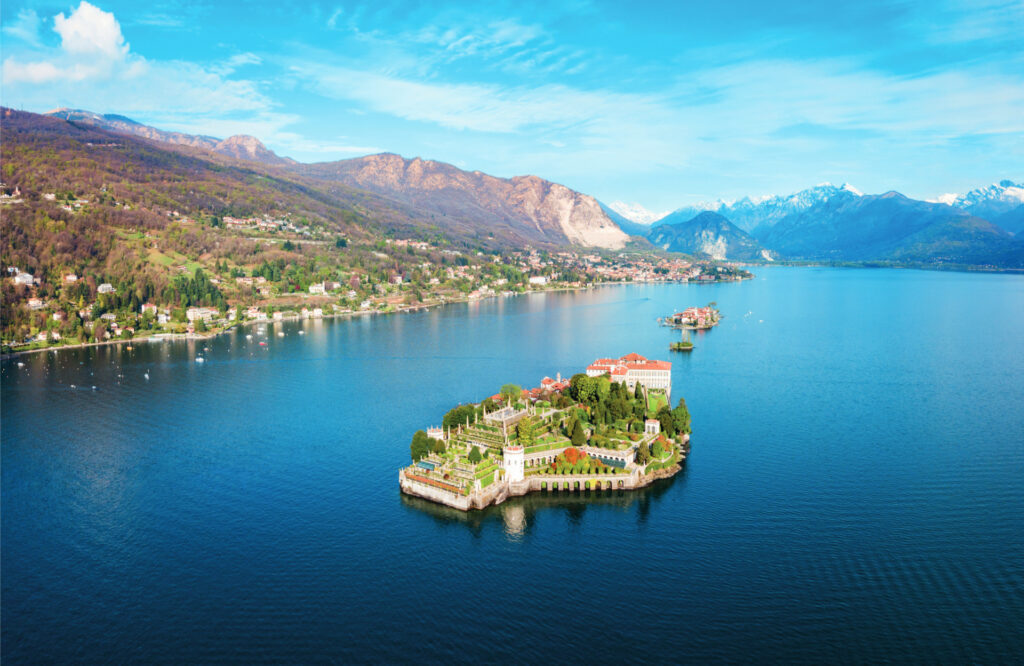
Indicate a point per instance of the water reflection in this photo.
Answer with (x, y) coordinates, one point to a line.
(517, 515)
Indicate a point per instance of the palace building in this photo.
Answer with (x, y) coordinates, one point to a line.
(635, 369)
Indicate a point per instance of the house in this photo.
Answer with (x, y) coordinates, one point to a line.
(24, 279)
(36, 303)
(163, 318)
(106, 288)
(318, 313)
(317, 288)
(206, 314)
(330, 285)
(539, 280)
(70, 278)
(148, 308)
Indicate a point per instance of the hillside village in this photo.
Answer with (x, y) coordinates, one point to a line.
(106, 237)
(291, 270)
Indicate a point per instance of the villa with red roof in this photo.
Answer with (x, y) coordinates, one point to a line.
(635, 369)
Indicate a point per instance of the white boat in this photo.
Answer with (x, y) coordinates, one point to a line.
(200, 359)
(280, 335)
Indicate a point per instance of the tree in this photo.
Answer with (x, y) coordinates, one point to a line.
(474, 455)
(511, 393)
(457, 416)
(578, 437)
(200, 325)
(643, 454)
(420, 445)
(581, 387)
(439, 447)
(639, 395)
(526, 431)
(681, 417)
(668, 424)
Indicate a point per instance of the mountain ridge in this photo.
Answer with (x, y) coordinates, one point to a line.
(519, 210)
(709, 234)
(239, 146)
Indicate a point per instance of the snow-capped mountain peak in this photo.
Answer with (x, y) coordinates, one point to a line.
(635, 212)
(1005, 191)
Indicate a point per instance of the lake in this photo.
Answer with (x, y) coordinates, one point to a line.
(855, 490)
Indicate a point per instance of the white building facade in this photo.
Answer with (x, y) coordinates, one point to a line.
(635, 369)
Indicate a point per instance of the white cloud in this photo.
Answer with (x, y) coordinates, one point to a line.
(92, 46)
(24, 27)
(94, 68)
(332, 21)
(91, 31)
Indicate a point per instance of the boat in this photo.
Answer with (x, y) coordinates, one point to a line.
(263, 344)
(200, 359)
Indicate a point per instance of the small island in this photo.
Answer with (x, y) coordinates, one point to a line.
(681, 346)
(609, 428)
(694, 318)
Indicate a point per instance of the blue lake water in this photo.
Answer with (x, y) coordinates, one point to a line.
(855, 490)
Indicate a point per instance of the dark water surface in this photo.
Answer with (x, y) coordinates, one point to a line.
(855, 490)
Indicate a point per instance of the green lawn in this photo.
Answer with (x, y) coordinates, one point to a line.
(656, 401)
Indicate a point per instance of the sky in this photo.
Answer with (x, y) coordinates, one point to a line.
(664, 104)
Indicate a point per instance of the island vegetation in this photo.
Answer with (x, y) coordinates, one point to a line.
(589, 433)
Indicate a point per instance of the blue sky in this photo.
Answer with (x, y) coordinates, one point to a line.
(664, 104)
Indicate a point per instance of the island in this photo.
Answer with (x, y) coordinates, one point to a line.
(694, 318)
(611, 428)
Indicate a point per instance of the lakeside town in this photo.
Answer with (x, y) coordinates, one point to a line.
(610, 428)
(299, 272)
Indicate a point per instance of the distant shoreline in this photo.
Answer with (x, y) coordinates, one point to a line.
(159, 337)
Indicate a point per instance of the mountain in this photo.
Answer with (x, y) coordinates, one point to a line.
(1001, 203)
(891, 227)
(427, 195)
(708, 234)
(636, 213)
(629, 226)
(520, 210)
(756, 216)
(1012, 221)
(240, 146)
